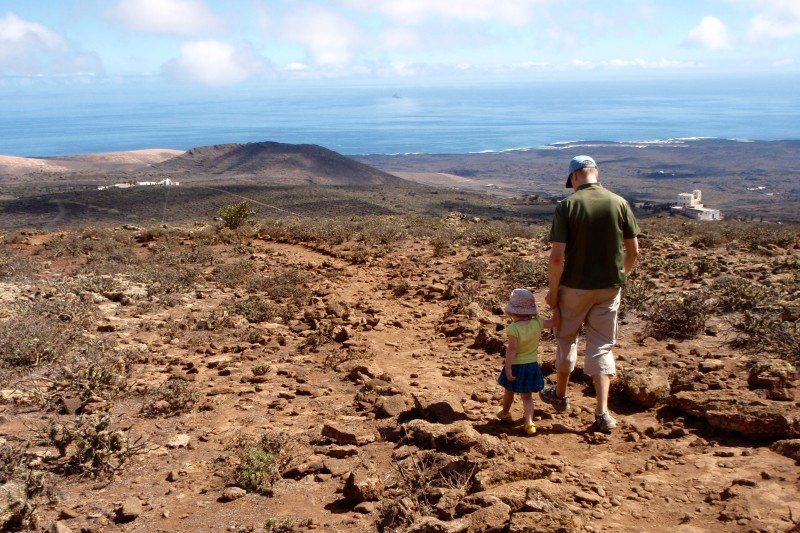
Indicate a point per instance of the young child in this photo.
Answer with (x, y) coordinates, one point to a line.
(521, 373)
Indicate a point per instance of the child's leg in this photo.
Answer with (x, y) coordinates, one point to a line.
(527, 406)
(508, 399)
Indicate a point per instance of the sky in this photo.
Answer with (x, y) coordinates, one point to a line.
(224, 43)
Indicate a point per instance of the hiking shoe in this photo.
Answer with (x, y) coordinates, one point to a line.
(549, 395)
(605, 422)
(505, 416)
(530, 429)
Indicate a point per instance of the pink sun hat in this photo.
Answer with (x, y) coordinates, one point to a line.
(522, 302)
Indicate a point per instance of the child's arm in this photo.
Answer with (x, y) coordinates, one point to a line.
(554, 321)
(511, 353)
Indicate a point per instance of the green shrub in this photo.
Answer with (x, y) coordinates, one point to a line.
(235, 215)
(261, 461)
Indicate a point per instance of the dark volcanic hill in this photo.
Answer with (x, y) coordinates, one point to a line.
(278, 163)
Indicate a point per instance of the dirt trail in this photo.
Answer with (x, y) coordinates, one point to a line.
(660, 471)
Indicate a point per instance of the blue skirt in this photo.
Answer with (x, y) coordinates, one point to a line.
(527, 378)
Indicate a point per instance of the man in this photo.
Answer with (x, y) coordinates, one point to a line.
(594, 248)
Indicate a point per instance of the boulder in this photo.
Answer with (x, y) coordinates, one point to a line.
(771, 374)
(711, 365)
(441, 411)
(14, 506)
(128, 511)
(560, 521)
(730, 411)
(343, 435)
(429, 524)
(788, 447)
(643, 386)
(457, 438)
(361, 486)
(492, 519)
(230, 494)
(390, 406)
(490, 342)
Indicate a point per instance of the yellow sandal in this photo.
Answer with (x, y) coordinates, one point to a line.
(505, 416)
(530, 429)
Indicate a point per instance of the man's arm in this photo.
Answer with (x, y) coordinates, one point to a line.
(631, 253)
(556, 270)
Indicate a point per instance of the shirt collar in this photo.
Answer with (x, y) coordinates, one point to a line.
(589, 186)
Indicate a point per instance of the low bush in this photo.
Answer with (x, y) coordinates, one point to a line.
(88, 446)
(285, 525)
(473, 268)
(767, 331)
(676, 318)
(518, 272)
(177, 396)
(256, 309)
(261, 461)
(92, 372)
(733, 293)
(234, 216)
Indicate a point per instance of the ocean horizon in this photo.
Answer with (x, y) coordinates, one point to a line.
(41, 120)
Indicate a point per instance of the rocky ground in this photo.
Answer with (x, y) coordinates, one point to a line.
(341, 377)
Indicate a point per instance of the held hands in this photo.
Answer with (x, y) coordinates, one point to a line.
(552, 299)
(509, 375)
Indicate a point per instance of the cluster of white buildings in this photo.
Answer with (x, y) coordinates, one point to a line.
(127, 185)
(690, 205)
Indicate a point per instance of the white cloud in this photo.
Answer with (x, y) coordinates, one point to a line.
(30, 48)
(643, 63)
(776, 19)
(399, 37)
(297, 67)
(328, 37)
(513, 12)
(711, 33)
(579, 63)
(787, 62)
(176, 17)
(213, 63)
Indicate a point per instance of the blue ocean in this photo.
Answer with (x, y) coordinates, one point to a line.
(51, 119)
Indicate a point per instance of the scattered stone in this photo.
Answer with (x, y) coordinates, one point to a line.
(771, 374)
(561, 521)
(643, 386)
(59, 527)
(360, 486)
(589, 497)
(788, 447)
(180, 440)
(230, 494)
(457, 438)
(390, 406)
(128, 511)
(492, 519)
(342, 435)
(711, 365)
(441, 411)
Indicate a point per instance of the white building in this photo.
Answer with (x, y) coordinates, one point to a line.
(163, 183)
(690, 205)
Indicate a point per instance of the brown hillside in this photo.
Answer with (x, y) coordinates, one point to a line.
(281, 163)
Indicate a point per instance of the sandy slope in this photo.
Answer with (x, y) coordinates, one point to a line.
(12, 167)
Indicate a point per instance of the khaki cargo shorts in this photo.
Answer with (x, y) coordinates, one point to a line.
(597, 309)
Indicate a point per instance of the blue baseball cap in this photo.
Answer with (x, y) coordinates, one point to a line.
(577, 163)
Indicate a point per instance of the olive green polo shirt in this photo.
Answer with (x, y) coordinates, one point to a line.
(593, 222)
